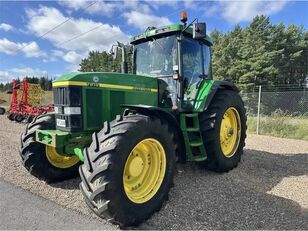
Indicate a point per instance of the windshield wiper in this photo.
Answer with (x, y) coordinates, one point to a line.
(155, 41)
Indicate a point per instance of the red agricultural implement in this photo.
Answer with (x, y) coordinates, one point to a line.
(23, 109)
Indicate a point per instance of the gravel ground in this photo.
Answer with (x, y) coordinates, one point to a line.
(268, 190)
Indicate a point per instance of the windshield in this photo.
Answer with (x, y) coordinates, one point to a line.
(156, 57)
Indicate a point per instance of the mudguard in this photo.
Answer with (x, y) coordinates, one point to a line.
(164, 115)
(214, 86)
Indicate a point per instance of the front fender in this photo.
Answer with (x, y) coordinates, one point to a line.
(167, 117)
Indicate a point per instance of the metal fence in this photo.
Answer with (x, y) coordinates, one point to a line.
(279, 113)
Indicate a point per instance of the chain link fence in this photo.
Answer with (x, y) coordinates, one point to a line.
(278, 113)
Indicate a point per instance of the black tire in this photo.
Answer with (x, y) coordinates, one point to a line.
(2, 110)
(30, 119)
(210, 121)
(102, 171)
(33, 154)
(11, 116)
(19, 118)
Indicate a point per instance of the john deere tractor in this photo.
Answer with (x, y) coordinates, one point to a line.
(125, 132)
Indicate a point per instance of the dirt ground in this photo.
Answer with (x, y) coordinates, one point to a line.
(268, 190)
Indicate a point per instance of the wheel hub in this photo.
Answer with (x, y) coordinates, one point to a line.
(136, 166)
(59, 161)
(230, 132)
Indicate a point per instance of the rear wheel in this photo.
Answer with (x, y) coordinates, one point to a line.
(128, 169)
(42, 161)
(223, 128)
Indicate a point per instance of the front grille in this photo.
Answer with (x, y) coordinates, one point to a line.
(67, 96)
(70, 96)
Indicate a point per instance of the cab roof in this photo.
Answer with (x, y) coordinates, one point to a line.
(165, 30)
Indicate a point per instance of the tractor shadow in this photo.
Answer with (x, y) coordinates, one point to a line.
(70, 184)
(238, 199)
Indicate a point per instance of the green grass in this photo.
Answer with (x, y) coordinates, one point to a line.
(294, 127)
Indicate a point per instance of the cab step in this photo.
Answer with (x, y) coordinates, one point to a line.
(195, 150)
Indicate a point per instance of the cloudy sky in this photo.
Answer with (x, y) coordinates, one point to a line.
(51, 37)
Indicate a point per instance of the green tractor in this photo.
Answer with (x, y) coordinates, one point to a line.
(125, 132)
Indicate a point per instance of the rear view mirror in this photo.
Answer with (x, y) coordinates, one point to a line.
(199, 30)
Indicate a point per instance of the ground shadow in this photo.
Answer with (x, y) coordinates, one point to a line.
(67, 184)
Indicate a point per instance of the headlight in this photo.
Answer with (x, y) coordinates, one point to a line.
(72, 110)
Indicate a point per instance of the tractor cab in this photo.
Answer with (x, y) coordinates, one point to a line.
(179, 56)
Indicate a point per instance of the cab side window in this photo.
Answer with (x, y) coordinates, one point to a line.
(207, 59)
(192, 61)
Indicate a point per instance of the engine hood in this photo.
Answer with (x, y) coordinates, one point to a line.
(108, 80)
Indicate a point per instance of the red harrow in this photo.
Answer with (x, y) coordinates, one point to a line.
(22, 109)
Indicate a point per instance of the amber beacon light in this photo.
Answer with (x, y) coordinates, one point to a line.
(183, 17)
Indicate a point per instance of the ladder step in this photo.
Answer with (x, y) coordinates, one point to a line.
(192, 129)
(200, 158)
(191, 115)
(196, 143)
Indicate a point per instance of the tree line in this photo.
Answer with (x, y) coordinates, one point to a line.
(103, 62)
(260, 54)
(44, 82)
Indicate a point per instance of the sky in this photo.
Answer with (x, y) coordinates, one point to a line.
(49, 38)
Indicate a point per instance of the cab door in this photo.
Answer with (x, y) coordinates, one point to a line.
(193, 71)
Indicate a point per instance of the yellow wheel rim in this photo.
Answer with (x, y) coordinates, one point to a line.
(58, 160)
(144, 170)
(230, 132)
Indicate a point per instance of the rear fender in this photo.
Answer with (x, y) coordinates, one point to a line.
(213, 87)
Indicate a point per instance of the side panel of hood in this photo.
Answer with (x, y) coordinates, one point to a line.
(108, 80)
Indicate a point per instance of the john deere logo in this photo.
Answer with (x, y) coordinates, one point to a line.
(95, 79)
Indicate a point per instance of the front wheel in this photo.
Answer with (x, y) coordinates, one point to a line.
(128, 169)
(223, 127)
(42, 161)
